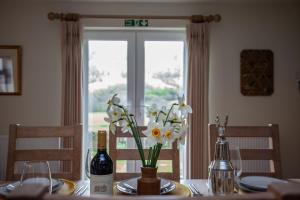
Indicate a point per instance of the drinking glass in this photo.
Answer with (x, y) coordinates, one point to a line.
(235, 157)
(91, 152)
(37, 172)
(208, 183)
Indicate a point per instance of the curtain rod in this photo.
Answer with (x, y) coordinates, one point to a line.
(74, 17)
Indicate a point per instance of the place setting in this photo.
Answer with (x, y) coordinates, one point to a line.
(39, 173)
(130, 186)
(257, 183)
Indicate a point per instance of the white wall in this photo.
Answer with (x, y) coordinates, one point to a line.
(243, 26)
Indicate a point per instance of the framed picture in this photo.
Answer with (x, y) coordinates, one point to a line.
(257, 72)
(10, 70)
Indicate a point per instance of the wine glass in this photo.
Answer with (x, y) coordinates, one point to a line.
(91, 152)
(36, 172)
(208, 183)
(235, 157)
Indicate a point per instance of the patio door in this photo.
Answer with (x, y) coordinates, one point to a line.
(142, 67)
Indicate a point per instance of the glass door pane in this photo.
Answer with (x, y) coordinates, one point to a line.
(161, 76)
(164, 62)
(107, 76)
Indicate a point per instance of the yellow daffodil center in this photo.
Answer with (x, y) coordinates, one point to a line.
(168, 134)
(182, 104)
(115, 114)
(153, 113)
(155, 132)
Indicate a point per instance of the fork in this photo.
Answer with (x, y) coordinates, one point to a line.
(194, 190)
(80, 190)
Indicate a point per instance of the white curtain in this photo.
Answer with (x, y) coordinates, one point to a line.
(71, 73)
(71, 79)
(197, 97)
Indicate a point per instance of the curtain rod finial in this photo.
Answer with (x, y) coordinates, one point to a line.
(51, 16)
(202, 18)
(63, 16)
(217, 18)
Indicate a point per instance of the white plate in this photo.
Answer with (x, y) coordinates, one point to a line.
(130, 186)
(245, 189)
(259, 183)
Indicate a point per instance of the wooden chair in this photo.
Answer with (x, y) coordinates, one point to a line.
(70, 155)
(259, 148)
(132, 154)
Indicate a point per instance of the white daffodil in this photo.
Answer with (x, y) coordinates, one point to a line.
(114, 100)
(152, 112)
(181, 134)
(122, 122)
(168, 133)
(183, 107)
(173, 117)
(112, 126)
(154, 133)
(162, 115)
(115, 113)
(125, 126)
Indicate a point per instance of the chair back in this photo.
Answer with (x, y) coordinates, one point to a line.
(57, 156)
(125, 154)
(259, 148)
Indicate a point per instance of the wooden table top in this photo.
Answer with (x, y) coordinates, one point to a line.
(199, 183)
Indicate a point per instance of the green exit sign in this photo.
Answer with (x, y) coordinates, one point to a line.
(136, 22)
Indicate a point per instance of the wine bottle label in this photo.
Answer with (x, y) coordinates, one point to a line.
(101, 184)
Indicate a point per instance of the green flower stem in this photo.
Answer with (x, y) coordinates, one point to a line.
(153, 156)
(169, 112)
(135, 133)
(140, 149)
(156, 119)
(138, 141)
(149, 156)
(159, 145)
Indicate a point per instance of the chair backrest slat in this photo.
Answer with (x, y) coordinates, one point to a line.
(40, 132)
(257, 154)
(249, 131)
(42, 154)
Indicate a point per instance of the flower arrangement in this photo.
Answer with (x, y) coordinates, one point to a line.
(165, 125)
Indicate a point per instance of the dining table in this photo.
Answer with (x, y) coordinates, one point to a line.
(183, 186)
(200, 184)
